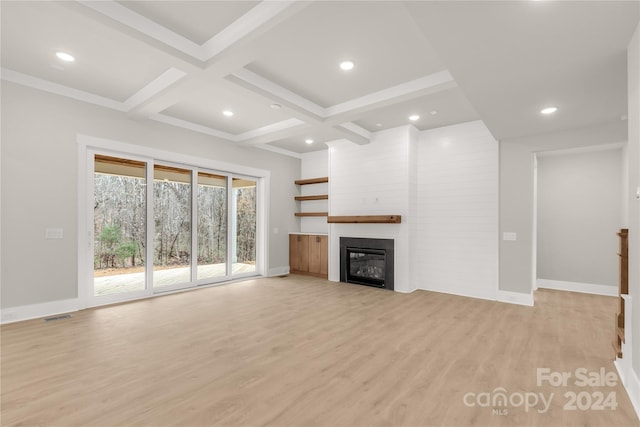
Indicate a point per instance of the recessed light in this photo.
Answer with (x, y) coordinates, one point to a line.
(65, 57)
(433, 112)
(549, 110)
(346, 65)
(379, 125)
(308, 141)
(228, 113)
(275, 106)
(414, 117)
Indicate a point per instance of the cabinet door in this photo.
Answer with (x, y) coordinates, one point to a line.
(298, 252)
(318, 254)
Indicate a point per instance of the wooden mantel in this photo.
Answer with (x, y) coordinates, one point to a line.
(365, 219)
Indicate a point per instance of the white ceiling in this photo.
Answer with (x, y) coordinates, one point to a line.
(379, 37)
(513, 58)
(196, 20)
(183, 62)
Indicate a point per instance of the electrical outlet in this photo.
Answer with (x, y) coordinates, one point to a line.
(509, 236)
(53, 233)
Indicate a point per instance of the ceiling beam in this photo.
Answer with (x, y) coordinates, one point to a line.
(285, 125)
(259, 84)
(224, 53)
(222, 60)
(355, 108)
(252, 24)
(300, 107)
(359, 134)
(137, 102)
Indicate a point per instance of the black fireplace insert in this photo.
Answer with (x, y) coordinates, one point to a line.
(367, 261)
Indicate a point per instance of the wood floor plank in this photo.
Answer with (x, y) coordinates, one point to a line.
(300, 350)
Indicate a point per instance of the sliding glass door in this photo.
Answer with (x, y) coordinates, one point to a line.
(244, 225)
(172, 226)
(159, 226)
(119, 225)
(212, 226)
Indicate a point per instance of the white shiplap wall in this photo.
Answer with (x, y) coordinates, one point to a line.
(372, 179)
(455, 245)
(444, 183)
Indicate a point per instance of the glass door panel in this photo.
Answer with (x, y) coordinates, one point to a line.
(212, 226)
(244, 225)
(159, 227)
(119, 225)
(172, 220)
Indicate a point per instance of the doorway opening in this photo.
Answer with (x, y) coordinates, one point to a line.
(578, 209)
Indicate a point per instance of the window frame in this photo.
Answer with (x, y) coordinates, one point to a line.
(89, 146)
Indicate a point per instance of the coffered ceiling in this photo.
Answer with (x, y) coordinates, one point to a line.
(275, 64)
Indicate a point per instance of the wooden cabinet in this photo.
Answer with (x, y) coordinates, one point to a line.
(308, 254)
(623, 289)
(298, 253)
(318, 252)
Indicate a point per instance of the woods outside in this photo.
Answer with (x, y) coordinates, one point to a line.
(120, 221)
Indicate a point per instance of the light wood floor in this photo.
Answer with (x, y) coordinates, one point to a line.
(300, 351)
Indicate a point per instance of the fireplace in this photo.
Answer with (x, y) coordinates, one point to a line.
(367, 261)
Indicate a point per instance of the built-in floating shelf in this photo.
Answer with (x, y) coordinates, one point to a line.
(365, 219)
(312, 214)
(308, 181)
(316, 197)
(312, 181)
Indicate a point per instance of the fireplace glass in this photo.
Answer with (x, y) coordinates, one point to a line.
(366, 261)
(366, 266)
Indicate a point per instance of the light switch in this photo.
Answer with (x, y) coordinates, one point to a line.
(53, 233)
(509, 236)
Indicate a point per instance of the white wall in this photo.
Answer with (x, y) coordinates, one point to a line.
(624, 222)
(629, 365)
(579, 212)
(516, 194)
(633, 74)
(372, 179)
(314, 165)
(39, 186)
(444, 183)
(456, 247)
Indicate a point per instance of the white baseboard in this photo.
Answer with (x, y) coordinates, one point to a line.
(633, 390)
(515, 298)
(278, 271)
(410, 291)
(585, 288)
(624, 365)
(34, 311)
(630, 382)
